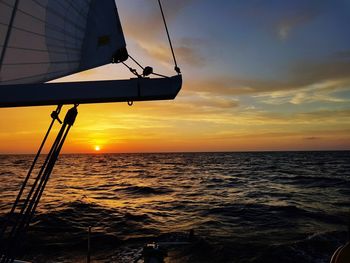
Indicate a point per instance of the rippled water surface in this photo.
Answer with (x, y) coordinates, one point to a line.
(244, 207)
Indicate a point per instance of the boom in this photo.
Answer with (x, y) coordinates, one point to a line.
(137, 89)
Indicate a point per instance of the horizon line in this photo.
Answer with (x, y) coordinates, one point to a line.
(170, 152)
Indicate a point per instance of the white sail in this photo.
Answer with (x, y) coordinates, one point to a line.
(41, 40)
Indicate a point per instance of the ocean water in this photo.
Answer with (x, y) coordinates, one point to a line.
(243, 207)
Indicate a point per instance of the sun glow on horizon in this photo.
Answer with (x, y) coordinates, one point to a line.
(97, 148)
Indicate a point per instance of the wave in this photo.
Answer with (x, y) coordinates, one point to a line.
(144, 190)
(267, 216)
(261, 207)
(7, 173)
(313, 181)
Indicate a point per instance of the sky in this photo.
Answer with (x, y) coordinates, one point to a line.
(258, 76)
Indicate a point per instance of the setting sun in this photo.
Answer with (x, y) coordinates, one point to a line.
(97, 148)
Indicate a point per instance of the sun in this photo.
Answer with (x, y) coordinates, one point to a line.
(97, 148)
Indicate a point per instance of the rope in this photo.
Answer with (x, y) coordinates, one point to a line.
(136, 62)
(177, 69)
(132, 70)
(148, 70)
(159, 75)
(27, 212)
(143, 68)
(54, 116)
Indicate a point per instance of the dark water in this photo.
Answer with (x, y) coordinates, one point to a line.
(244, 207)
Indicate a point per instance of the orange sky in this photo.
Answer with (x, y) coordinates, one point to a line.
(172, 126)
(258, 86)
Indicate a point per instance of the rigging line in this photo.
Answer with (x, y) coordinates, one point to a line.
(68, 122)
(24, 209)
(136, 61)
(153, 73)
(8, 33)
(20, 219)
(16, 239)
(177, 69)
(54, 116)
(159, 75)
(132, 70)
(56, 148)
(46, 179)
(43, 179)
(50, 161)
(17, 231)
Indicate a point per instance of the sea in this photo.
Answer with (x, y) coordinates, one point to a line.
(238, 206)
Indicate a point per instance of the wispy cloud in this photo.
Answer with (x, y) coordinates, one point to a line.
(323, 91)
(343, 54)
(147, 23)
(286, 25)
(283, 17)
(187, 52)
(312, 138)
(308, 81)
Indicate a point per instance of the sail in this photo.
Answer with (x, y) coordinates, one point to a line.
(41, 40)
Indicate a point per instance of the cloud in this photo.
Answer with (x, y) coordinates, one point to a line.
(308, 72)
(321, 92)
(190, 50)
(314, 81)
(318, 118)
(344, 54)
(312, 138)
(147, 24)
(323, 115)
(283, 17)
(229, 85)
(285, 26)
(249, 122)
(186, 53)
(204, 101)
(308, 81)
